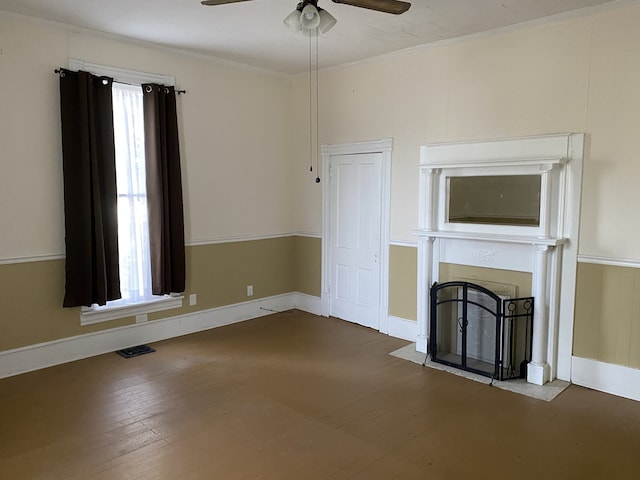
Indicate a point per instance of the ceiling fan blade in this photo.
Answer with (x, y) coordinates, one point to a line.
(220, 2)
(395, 7)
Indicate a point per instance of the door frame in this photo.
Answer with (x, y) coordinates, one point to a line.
(384, 147)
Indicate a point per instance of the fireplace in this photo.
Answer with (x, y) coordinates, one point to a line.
(479, 331)
(519, 213)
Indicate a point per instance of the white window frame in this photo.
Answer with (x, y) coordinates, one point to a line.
(103, 313)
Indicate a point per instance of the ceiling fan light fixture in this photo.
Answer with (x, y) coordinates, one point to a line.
(309, 18)
(292, 21)
(327, 21)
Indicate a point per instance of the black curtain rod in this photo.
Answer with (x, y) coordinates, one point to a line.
(59, 70)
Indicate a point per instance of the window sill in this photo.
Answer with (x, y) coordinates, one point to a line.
(91, 315)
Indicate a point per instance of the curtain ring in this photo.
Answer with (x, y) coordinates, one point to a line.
(62, 74)
(166, 90)
(149, 89)
(105, 81)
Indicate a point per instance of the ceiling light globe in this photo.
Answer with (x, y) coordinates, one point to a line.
(309, 18)
(327, 21)
(292, 21)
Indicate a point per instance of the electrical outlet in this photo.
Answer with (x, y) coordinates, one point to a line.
(192, 299)
(249, 290)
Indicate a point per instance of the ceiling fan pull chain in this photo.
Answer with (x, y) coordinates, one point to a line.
(310, 111)
(317, 112)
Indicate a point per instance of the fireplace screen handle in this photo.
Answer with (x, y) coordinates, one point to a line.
(462, 323)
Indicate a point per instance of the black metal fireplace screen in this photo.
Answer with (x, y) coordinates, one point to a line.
(474, 329)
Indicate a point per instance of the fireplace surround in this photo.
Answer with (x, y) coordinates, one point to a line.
(546, 247)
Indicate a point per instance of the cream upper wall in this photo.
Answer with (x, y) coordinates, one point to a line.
(31, 216)
(610, 218)
(575, 75)
(235, 134)
(242, 128)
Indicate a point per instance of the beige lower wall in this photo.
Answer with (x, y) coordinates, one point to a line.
(403, 278)
(607, 318)
(607, 325)
(221, 272)
(523, 280)
(31, 296)
(32, 292)
(308, 265)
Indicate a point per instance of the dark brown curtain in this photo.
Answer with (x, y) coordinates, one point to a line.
(90, 194)
(164, 189)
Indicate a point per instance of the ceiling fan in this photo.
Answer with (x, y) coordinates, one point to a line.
(395, 7)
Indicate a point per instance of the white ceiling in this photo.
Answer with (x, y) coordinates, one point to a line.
(253, 32)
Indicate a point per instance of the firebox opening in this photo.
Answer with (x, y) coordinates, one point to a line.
(474, 329)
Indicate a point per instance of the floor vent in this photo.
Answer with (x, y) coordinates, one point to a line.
(135, 351)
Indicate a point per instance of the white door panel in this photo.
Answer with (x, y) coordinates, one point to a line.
(356, 200)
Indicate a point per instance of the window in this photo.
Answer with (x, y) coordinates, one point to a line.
(133, 225)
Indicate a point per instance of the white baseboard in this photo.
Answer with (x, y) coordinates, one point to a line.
(403, 328)
(42, 355)
(606, 377)
(307, 303)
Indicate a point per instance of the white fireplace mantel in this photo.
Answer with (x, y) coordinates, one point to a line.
(548, 250)
(488, 237)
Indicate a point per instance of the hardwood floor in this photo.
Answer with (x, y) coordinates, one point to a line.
(294, 396)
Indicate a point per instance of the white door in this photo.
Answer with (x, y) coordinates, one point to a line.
(356, 210)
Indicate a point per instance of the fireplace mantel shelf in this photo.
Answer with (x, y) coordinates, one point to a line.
(491, 237)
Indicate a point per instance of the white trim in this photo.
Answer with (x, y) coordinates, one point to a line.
(536, 149)
(33, 258)
(308, 234)
(606, 377)
(372, 146)
(385, 147)
(403, 243)
(489, 237)
(195, 243)
(307, 303)
(239, 238)
(572, 205)
(35, 357)
(498, 162)
(121, 75)
(98, 314)
(403, 328)
(613, 262)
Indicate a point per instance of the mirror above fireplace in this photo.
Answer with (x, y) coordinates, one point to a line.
(494, 200)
